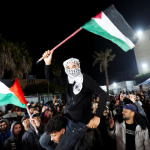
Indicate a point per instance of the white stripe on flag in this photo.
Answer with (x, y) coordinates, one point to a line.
(108, 26)
(4, 89)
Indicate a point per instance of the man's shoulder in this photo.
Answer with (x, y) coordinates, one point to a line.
(87, 77)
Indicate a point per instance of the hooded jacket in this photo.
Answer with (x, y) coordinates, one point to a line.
(6, 135)
(30, 139)
(14, 143)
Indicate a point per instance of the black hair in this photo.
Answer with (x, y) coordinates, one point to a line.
(141, 120)
(55, 124)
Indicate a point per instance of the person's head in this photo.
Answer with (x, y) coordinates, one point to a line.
(141, 93)
(72, 67)
(16, 108)
(58, 108)
(36, 117)
(1, 117)
(129, 111)
(36, 111)
(37, 108)
(137, 97)
(97, 100)
(31, 109)
(0, 112)
(47, 115)
(56, 128)
(17, 129)
(19, 113)
(25, 122)
(3, 126)
(106, 111)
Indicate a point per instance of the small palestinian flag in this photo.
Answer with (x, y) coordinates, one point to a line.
(111, 25)
(11, 93)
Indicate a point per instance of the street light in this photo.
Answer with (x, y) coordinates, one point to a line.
(144, 65)
(114, 84)
(139, 32)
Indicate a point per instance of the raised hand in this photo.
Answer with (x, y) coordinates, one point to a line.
(48, 57)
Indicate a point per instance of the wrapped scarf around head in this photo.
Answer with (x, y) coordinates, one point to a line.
(74, 75)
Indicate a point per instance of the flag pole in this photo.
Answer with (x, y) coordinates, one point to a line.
(31, 116)
(61, 43)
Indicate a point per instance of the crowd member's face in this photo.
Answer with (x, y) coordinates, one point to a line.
(56, 136)
(31, 110)
(127, 114)
(16, 108)
(50, 109)
(37, 108)
(106, 112)
(137, 97)
(35, 112)
(3, 126)
(97, 100)
(26, 123)
(17, 129)
(0, 118)
(141, 93)
(72, 66)
(49, 114)
(38, 119)
(0, 112)
(58, 108)
(19, 113)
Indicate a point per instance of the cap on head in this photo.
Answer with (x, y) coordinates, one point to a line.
(71, 60)
(130, 107)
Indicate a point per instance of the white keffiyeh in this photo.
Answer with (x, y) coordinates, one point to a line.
(74, 75)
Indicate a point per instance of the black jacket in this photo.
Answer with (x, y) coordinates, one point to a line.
(79, 106)
(30, 139)
(14, 143)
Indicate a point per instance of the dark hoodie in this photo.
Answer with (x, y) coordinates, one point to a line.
(14, 143)
(30, 139)
(6, 135)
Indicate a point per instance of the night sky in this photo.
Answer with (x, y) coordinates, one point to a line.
(43, 25)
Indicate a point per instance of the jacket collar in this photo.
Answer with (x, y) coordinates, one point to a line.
(138, 127)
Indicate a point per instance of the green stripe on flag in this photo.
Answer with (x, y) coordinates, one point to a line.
(93, 27)
(10, 99)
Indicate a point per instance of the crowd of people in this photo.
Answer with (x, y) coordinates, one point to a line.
(86, 120)
(124, 125)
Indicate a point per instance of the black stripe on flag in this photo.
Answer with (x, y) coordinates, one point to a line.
(117, 19)
(7, 83)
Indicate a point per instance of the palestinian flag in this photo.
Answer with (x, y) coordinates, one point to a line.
(11, 93)
(111, 25)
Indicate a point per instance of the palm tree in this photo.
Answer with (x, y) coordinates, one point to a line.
(14, 58)
(103, 59)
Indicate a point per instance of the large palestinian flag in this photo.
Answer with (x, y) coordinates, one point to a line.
(111, 25)
(11, 93)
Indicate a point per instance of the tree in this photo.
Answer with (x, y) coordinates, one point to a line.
(14, 57)
(103, 59)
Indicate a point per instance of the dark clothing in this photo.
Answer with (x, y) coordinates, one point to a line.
(104, 124)
(6, 135)
(14, 143)
(78, 106)
(72, 139)
(18, 118)
(30, 139)
(130, 136)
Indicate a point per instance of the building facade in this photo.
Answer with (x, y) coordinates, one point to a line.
(142, 52)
